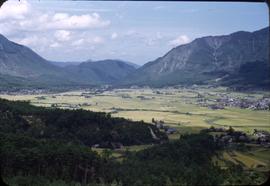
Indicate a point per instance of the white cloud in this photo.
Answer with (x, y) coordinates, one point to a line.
(180, 40)
(33, 40)
(29, 40)
(158, 7)
(65, 21)
(78, 42)
(14, 10)
(62, 35)
(37, 43)
(55, 45)
(158, 35)
(45, 30)
(150, 42)
(97, 40)
(21, 16)
(114, 35)
(131, 33)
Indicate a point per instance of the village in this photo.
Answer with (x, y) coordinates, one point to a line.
(225, 137)
(243, 103)
(230, 137)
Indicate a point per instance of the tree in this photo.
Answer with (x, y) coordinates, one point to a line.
(230, 130)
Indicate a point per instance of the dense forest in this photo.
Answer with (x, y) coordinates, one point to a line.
(81, 126)
(49, 146)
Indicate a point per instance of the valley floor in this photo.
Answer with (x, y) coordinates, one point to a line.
(188, 110)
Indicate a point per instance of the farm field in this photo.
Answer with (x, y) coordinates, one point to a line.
(179, 108)
(255, 158)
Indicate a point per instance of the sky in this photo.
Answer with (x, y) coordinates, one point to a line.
(137, 32)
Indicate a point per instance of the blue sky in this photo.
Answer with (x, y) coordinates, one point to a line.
(138, 32)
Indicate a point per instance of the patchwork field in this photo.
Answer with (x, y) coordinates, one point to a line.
(179, 108)
(256, 158)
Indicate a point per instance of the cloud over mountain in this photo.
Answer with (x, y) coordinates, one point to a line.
(22, 16)
(180, 40)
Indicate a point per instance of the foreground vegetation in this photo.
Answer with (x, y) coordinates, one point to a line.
(31, 156)
(26, 161)
(81, 126)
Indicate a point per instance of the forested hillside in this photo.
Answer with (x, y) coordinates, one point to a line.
(52, 147)
(80, 126)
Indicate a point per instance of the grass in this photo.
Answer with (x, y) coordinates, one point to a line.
(229, 157)
(177, 107)
(248, 161)
(252, 159)
(119, 154)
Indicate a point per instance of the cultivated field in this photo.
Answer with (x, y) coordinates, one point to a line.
(257, 158)
(179, 108)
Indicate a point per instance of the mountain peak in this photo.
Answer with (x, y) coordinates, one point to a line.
(205, 59)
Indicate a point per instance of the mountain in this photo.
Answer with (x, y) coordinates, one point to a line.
(21, 63)
(64, 64)
(22, 67)
(236, 60)
(133, 64)
(209, 59)
(100, 72)
(18, 60)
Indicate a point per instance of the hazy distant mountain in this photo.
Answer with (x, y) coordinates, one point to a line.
(20, 63)
(18, 60)
(64, 64)
(133, 64)
(105, 71)
(208, 59)
(238, 59)
(20, 66)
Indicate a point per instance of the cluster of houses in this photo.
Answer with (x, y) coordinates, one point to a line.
(263, 136)
(145, 98)
(227, 101)
(226, 137)
(96, 90)
(161, 125)
(216, 107)
(40, 97)
(260, 104)
(126, 96)
(19, 91)
(68, 106)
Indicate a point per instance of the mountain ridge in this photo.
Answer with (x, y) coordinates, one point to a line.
(228, 60)
(103, 71)
(193, 63)
(20, 65)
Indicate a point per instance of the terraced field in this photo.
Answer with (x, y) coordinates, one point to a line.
(256, 158)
